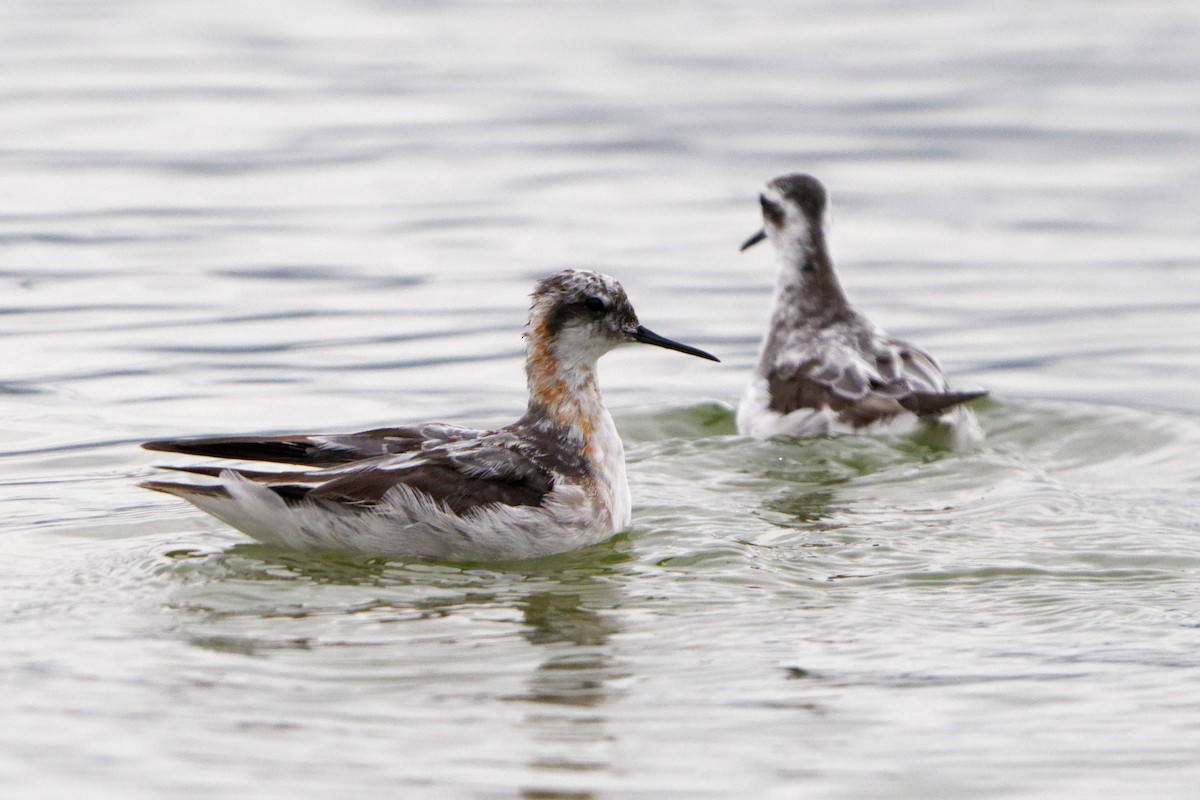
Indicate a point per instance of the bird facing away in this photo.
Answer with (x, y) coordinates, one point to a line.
(552, 481)
(824, 367)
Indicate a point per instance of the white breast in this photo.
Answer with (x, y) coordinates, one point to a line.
(610, 466)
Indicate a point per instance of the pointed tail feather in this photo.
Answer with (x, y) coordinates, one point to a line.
(932, 403)
(215, 471)
(291, 492)
(184, 490)
(280, 450)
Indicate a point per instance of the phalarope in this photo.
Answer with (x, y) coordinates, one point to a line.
(824, 367)
(552, 481)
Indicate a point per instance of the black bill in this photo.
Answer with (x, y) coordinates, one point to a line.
(753, 240)
(646, 336)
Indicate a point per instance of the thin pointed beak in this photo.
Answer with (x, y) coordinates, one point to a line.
(753, 240)
(646, 336)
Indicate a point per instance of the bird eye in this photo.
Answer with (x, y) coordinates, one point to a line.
(595, 305)
(772, 211)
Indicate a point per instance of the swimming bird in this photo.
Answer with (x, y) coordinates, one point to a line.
(552, 481)
(824, 368)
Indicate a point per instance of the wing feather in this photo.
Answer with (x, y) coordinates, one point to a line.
(461, 481)
(462, 469)
(895, 378)
(315, 451)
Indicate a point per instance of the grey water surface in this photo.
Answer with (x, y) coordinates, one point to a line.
(271, 217)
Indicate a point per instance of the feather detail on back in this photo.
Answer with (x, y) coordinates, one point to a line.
(552, 481)
(824, 367)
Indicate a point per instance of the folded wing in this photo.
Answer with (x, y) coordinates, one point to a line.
(897, 379)
(316, 451)
(496, 469)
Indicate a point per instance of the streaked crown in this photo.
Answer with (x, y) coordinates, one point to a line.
(794, 199)
(581, 299)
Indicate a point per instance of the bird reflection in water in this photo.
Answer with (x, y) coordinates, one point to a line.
(573, 623)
